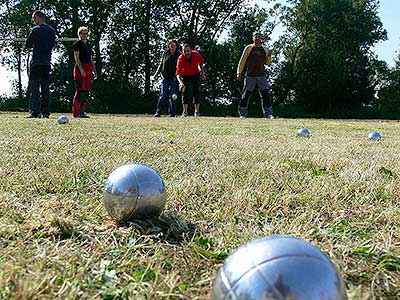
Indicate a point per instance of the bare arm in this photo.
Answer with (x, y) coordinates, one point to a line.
(202, 73)
(180, 80)
(79, 64)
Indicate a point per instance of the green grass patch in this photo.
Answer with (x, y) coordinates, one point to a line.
(229, 181)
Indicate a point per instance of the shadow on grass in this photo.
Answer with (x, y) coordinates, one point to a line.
(167, 228)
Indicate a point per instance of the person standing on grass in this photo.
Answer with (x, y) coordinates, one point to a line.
(84, 73)
(189, 72)
(42, 39)
(251, 64)
(169, 84)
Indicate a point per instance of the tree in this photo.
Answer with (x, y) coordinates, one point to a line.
(389, 92)
(200, 21)
(327, 58)
(14, 24)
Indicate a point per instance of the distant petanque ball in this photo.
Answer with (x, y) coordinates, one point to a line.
(374, 135)
(174, 97)
(278, 268)
(134, 191)
(303, 132)
(62, 120)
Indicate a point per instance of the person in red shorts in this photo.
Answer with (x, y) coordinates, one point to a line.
(84, 73)
(189, 72)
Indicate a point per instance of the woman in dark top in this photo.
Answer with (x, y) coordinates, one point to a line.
(84, 72)
(169, 84)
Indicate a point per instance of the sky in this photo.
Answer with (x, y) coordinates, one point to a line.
(386, 50)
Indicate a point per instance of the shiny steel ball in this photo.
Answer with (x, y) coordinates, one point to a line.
(134, 191)
(278, 268)
(174, 97)
(303, 132)
(374, 135)
(62, 120)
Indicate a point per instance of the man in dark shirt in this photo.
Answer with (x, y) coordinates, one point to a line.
(169, 84)
(252, 62)
(84, 73)
(42, 39)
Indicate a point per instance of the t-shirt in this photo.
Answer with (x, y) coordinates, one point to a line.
(190, 67)
(85, 51)
(255, 62)
(42, 39)
(256, 67)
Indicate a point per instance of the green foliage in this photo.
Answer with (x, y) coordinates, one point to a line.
(327, 66)
(389, 93)
(322, 66)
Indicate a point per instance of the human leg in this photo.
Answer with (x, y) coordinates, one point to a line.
(266, 97)
(174, 85)
(163, 97)
(196, 95)
(34, 82)
(249, 85)
(187, 95)
(45, 91)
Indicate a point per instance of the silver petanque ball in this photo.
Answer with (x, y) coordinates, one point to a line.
(374, 135)
(303, 132)
(62, 120)
(278, 268)
(134, 191)
(174, 97)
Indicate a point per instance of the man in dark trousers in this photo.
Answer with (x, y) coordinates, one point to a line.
(252, 62)
(42, 39)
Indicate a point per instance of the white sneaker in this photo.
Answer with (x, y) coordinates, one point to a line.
(197, 114)
(185, 114)
(270, 117)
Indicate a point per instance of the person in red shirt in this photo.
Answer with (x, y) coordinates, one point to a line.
(189, 72)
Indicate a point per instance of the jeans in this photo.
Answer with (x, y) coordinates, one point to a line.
(39, 80)
(169, 87)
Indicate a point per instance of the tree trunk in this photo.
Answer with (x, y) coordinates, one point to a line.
(19, 68)
(147, 49)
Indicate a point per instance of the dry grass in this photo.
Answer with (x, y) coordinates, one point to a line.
(228, 180)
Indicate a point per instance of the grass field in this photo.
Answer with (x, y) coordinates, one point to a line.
(228, 181)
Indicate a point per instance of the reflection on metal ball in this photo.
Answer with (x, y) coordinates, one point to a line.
(134, 191)
(174, 97)
(303, 132)
(62, 120)
(374, 135)
(278, 268)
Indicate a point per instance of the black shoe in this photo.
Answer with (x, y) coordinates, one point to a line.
(157, 115)
(171, 116)
(83, 115)
(34, 116)
(45, 116)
